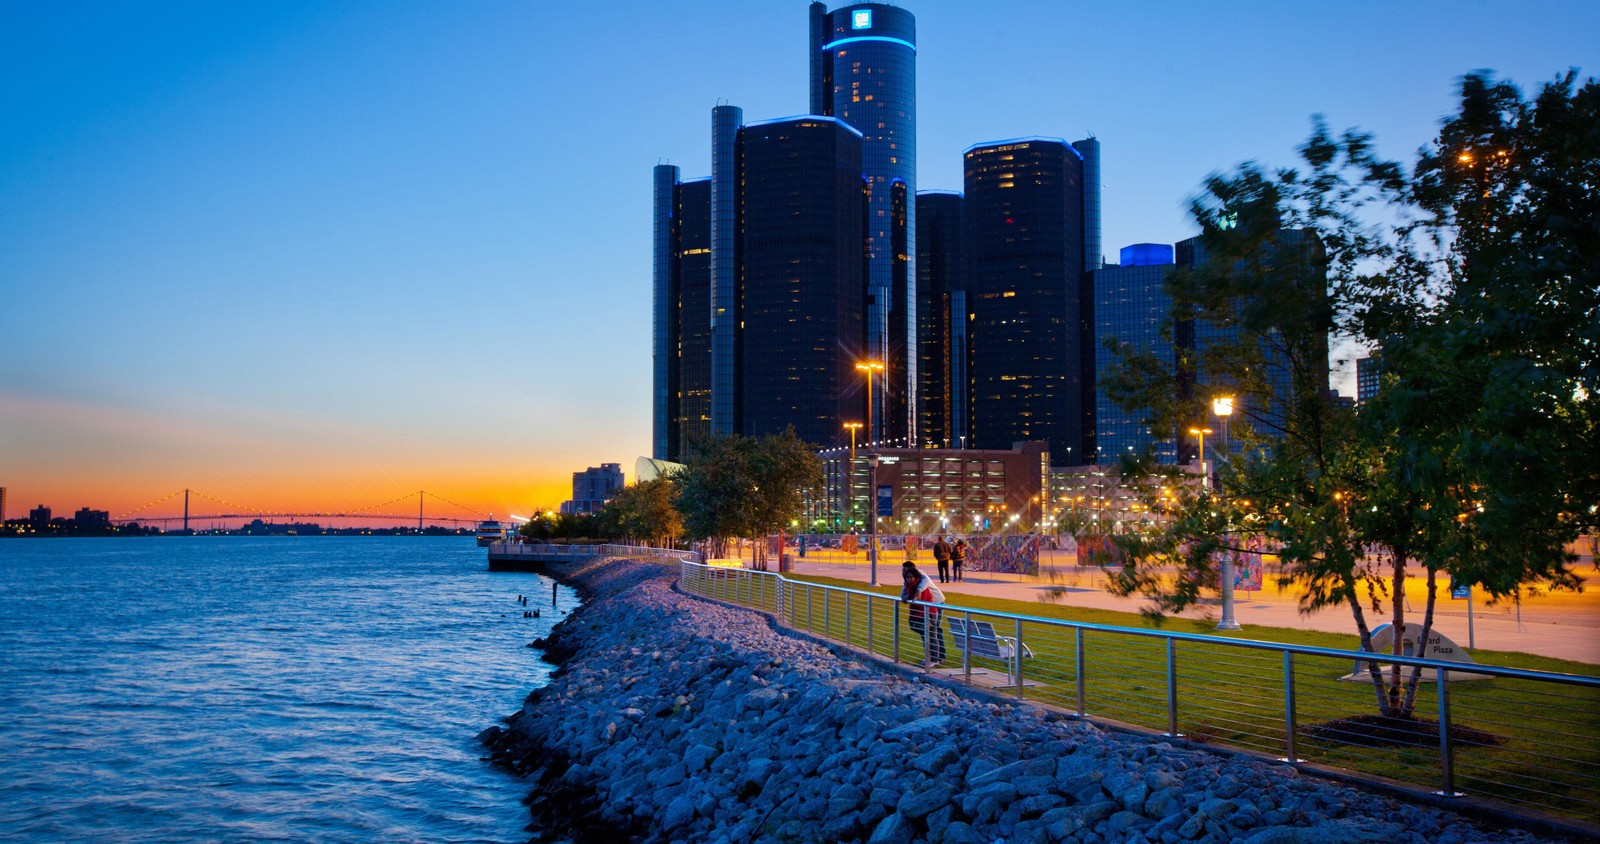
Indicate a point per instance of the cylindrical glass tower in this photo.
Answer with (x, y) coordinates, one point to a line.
(725, 122)
(863, 71)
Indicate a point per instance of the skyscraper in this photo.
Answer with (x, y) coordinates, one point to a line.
(800, 211)
(1291, 254)
(681, 330)
(863, 71)
(941, 322)
(1132, 308)
(1023, 216)
(982, 314)
(725, 122)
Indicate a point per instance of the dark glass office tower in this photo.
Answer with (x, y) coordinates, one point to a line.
(694, 312)
(725, 122)
(801, 217)
(941, 321)
(1298, 255)
(663, 323)
(863, 71)
(1132, 307)
(1089, 152)
(1023, 217)
(682, 318)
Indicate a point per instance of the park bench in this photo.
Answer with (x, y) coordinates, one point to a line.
(979, 639)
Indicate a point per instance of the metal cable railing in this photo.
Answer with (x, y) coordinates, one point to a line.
(1524, 737)
(506, 550)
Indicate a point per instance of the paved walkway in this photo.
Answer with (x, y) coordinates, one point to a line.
(1492, 630)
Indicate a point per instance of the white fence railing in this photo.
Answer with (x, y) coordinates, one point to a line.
(1524, 737)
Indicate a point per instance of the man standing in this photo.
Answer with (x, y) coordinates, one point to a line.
(941, 555)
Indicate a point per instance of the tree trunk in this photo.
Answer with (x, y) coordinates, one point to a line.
(1353, 598)
(1397, 596)
(1422, 640)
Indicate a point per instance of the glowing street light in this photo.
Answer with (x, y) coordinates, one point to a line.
(850, 469)
(1222, 406)
(869, 367)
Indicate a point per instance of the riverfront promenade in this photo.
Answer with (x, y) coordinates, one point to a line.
(1568, 625)
(680, 719)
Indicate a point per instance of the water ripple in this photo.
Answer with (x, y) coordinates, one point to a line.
(260, 689)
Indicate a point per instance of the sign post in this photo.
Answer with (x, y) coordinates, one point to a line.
(1459, 592)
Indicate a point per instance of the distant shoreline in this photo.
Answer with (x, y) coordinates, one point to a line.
(378, 532)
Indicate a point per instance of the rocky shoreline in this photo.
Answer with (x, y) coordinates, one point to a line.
(672, 718)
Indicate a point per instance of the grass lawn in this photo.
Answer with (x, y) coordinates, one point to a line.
(1547, 753)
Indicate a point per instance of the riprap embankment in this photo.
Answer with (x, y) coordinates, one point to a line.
(673, 718)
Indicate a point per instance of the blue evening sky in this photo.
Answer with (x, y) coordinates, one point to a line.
(319, 254)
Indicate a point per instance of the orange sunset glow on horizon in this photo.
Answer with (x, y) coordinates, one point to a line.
(136, 463)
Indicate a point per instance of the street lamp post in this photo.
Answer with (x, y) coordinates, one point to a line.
(1205, 477)
(872, 519)
(869, 367)
(850, 471)
(1226, 576)
(1222, 406)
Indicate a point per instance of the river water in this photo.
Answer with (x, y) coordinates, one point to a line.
(330, 689)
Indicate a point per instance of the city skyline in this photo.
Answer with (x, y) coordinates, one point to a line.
(313, 256)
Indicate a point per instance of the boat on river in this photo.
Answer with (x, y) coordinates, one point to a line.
(490, 532)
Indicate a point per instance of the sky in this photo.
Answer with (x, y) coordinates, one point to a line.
(315, 256)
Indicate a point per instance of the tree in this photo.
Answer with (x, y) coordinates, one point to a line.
(645, 512)
(550, 524)
(1475, 279)
(745, 487)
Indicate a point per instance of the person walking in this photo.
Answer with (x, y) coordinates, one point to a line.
(958, 557)
(941, 555)
(923, 620)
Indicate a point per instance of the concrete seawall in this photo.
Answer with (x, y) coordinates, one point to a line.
(676, 719)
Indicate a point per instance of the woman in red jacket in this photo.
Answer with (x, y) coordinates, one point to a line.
(920, 587)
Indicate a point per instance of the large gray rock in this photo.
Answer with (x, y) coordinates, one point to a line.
(917, 804)
(931, 727)
(937, 759)
(679, 813)
(1165, 802)
(894, 829)
(699, 757)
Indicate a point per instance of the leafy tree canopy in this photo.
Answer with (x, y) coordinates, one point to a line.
(1475, 280)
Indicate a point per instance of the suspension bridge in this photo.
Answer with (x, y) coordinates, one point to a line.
(216, 509)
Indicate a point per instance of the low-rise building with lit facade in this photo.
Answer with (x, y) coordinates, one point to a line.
(593, 488)
(965, 490)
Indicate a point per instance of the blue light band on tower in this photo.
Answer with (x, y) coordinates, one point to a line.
(865, 38)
